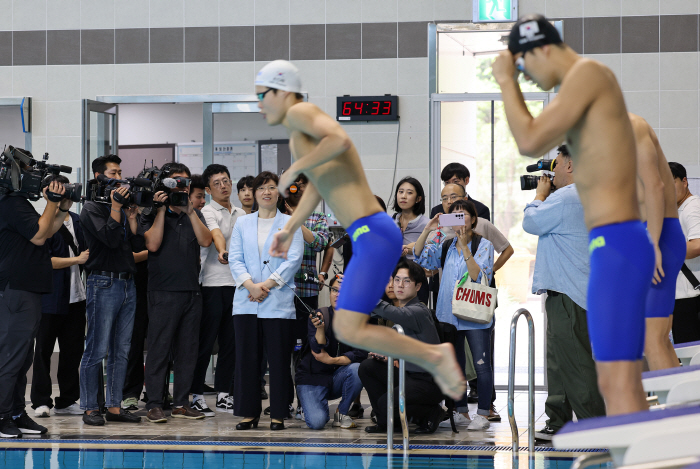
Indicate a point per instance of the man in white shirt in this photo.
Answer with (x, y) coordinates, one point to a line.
(218, 289)
(686, 313)
(62, 319)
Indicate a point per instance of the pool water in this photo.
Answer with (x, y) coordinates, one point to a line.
(136, 459)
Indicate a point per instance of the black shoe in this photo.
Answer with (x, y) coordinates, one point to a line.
(263, 394)
(375, 429)
(356, 411)
(248, 425)
(473, 397)
(29, 426)
(8, 428)
(292, 411)
(267, 410)
(545, 434)
(431, 424)
(122, 416)
(208, 390)
(277, 426)
(94, 419)
(373, 416)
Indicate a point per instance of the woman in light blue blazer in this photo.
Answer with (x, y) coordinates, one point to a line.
(263, 307)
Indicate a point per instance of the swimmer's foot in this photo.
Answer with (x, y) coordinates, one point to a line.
(447, 373)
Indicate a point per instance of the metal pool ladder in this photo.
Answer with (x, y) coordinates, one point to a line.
(530, 382)
(390, 403)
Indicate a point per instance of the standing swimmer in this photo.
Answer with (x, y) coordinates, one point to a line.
(589, 112)
(325, 154)
(657, 204)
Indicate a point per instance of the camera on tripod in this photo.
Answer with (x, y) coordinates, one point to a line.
(529, 182)
(21, 173)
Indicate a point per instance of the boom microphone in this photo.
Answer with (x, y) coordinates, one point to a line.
(141, 182)
(170, 183)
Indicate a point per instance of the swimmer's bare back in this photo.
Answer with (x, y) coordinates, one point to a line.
(649, 151)
(341, 181)
(589, 113)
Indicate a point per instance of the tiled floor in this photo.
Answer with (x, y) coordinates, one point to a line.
(222, 428)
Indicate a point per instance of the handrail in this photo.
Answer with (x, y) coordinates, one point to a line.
(530, 384)
(390, 402)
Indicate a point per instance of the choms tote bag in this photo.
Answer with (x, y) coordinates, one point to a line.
(475, 302)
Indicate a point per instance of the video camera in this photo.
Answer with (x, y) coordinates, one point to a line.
(21, 173)
(528, 181)
(140, 191)
(163, 182)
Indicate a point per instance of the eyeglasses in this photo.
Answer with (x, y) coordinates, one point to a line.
(451, 198)
(402, 281)
(264, 188)
(261, 96)
(221, 183)
(335, 290)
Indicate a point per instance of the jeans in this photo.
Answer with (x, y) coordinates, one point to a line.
(314, 399)
(69, 330)
(20, 315)
(111, 305)
(133, 384)
(479, 341)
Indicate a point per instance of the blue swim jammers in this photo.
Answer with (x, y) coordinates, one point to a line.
(662, 296)
(376, 248)
(622, 264)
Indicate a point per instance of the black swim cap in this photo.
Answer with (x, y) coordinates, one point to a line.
(532, 31)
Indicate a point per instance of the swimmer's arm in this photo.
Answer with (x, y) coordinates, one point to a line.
(536, 136)
(332, 139)
(648, 168)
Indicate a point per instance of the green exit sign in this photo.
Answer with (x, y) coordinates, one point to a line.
(495, 11)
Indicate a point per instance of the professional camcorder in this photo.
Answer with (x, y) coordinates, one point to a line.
(529, 182)
(163, 182)
(21, 173)
(140, 191)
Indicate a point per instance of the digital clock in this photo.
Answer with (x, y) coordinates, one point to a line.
(368, 108)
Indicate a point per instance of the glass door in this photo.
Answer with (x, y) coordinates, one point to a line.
(100, 133)
(472, 129)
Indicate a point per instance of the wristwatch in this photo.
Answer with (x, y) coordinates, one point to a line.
(325, 274)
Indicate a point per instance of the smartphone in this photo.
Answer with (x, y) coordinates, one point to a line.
(452, 219)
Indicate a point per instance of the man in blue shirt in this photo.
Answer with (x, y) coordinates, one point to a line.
(561, 271)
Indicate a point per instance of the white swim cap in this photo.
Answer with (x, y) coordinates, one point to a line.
(281, 75)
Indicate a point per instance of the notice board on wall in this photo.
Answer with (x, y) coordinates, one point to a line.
(238, 157)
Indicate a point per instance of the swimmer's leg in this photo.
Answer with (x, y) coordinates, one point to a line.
(352, 328)
(658, 349)
(620, 383)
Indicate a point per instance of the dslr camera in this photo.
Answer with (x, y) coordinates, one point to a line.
(21, 173)
(528, 182)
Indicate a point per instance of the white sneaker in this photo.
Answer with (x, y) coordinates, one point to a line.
(460, 421)
(73, 409)
(479, 422)
(344, 421)
(199, 404)
(42, 411)
(229, 403)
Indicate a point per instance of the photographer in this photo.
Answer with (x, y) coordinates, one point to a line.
(111, 297)
(561, 271)
(423, 396)
(316, 237)
(218, 289)
(173, 237)
(25, 274)
(62, 319)
(327, 370)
